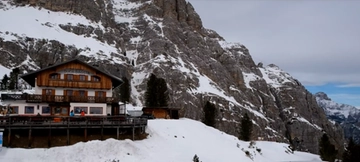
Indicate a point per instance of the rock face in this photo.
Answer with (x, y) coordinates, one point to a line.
(346, 115)
(137, 37)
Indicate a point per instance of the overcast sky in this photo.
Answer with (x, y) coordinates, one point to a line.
(316, 41)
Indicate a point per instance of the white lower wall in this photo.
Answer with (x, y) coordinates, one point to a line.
(21, 107)
(88, 105)
(106, 109)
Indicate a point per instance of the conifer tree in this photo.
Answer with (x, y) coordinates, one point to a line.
(5, 82)
(151, 92)
(352, 152)
(156, 94)
(326, 149)
(209, 114)
(245, 128)
(13, 80)
(162, 92)
(125, 90)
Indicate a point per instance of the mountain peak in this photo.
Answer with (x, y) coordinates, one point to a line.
(322, 95)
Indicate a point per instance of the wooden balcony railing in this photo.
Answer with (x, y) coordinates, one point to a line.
(76, 84)
(76, 121)
(57, 98)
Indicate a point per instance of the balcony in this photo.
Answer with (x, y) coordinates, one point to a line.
(76, 84)
(57, 98)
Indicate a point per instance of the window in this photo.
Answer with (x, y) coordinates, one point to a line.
(54, 76)
(56, 110)
(100, 93)
(69, 92)
(29, 109)
(14, 110)
(48, 91)
(82, 77)
(45, 110)
(96, 78)
(82, 93)
(96, 110)
(70, 77)
(78, 109)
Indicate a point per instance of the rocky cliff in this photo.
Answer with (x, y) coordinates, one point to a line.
(346, 115)
(134, 38)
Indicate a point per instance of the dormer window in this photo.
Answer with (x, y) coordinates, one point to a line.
(54, 76)
(96, 78)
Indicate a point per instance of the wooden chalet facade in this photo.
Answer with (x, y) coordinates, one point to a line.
(71, 85)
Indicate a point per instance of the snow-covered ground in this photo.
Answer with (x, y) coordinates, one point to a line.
(168, 141)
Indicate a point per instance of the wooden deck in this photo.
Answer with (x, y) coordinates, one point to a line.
(54, 122)
(31, 123)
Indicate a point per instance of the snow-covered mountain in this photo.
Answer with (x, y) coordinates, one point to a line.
(168, 140)
(346, 115)
(134, 38)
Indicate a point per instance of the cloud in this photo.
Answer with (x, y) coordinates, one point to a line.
(315, 41)
(348, 85)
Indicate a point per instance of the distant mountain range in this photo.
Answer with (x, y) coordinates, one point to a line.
(346, 115)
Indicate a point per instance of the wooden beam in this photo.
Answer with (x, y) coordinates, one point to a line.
(29, 144)
(133, 133)
(49, 138)
(85, 134)
(117, 133)
(68, 136)
(9, 137)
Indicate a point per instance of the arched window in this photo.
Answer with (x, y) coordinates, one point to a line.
(54, 76)
(95, 78)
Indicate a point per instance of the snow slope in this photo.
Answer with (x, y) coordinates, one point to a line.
(168, 141)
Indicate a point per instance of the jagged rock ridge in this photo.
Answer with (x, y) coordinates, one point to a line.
(137, 37)
(346, 115)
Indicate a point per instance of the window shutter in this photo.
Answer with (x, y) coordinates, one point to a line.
(65, 94)
(44, 92)
(86, 78)
(65, 76)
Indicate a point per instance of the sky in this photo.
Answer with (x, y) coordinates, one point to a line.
(316, 41)
(168, 140)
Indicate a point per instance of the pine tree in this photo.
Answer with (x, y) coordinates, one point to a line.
(156, 94)
(5, 82)
(151, 92)
(352, 152)
(245, 128)
(326, 149)
(196, 158)
(13, 84)
(162, 90)
(125, 90)
(209, 114)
